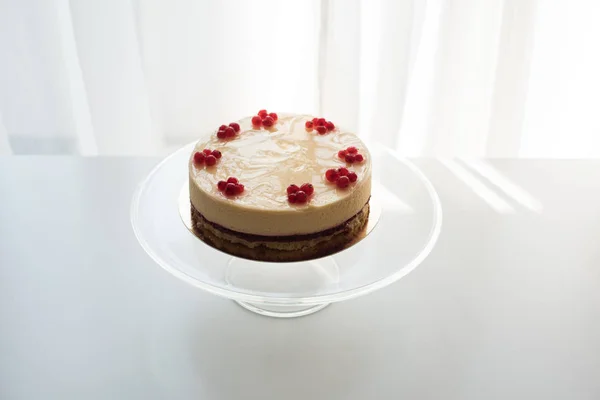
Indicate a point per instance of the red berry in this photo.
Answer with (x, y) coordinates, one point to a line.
(332, 175)
(342, 154)
(221, 134)
(352, 176)
(322, 130)
(352, 150)
(199, 157)
(343, 171)
(358, 158)
(349, 158)
(231, 179)
(274, 116)
(268, 121)
(221, 185)
(239, 188)
(230, 189)
(314, 120)
(216, 153)
(292, 189)
(330, 126)
(222, 127)
(343, 182)
(321, 122)
(308, 124)
(210, 160)
(307, 188)
(207, 152)
(256, 120)
(235, 126)
(262, 114)
(292, 197)
(229, 132)
(301, 196)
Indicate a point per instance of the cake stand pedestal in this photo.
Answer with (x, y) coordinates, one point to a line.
(295, 277)
(282, 311)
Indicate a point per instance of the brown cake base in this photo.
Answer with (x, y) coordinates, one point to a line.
(281, 248)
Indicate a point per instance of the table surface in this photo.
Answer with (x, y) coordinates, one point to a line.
(507, 306)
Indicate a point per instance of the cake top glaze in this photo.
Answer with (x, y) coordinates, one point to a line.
(267, 160)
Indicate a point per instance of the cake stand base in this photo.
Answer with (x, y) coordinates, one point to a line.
(282, 311)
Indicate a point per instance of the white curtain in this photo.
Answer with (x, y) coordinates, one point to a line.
(426, 77)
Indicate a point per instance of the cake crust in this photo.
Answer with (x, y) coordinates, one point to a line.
(280, 248)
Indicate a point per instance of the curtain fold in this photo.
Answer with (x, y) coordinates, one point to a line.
(5, 148)
(500, 78)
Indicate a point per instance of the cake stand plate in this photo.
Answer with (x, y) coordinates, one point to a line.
(404, 225)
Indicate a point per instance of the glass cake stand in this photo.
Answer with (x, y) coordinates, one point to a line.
(409, 224)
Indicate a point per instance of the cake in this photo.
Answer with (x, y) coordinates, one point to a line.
(280, 188)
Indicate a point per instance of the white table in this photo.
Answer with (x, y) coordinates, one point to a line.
(507, 306)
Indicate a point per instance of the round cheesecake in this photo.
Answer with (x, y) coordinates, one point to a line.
(262, 222)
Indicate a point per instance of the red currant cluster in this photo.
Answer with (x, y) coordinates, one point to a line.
(207, 156)
(341, 176)
(228, 131)
(300, 194)
(321, 125)
(351, 155)
(264, 118)
(231, 187)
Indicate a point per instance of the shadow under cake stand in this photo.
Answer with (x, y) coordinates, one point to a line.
(404, 225)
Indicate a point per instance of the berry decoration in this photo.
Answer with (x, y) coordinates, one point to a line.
(332, 175)
(343, 182)
(199, 157)
(264, 118)
(210, 160)
(300, 194)
(228, 131)
(351, 155)
(207, 156)
(292, 189)
(307, 188)
(321, 125)
(301, 197)
(235, 126)
(341, 177)
(256, 120)
(231, 187)
(268, 122)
